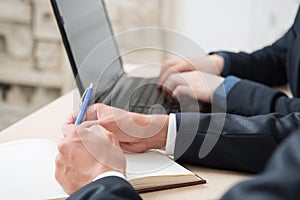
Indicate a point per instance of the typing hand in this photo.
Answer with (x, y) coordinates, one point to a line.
(86, 151)
(195, 84)
(136, 132)
(212, 64)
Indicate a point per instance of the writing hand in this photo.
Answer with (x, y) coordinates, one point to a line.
(85, 152)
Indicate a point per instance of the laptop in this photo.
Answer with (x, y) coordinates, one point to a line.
(94, 57)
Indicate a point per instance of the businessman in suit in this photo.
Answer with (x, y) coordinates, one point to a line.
(259, 117)
(247, 77)
(83, 170)
(246, 141)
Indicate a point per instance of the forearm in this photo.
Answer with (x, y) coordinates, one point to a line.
(243, 144)
(249, 98)
(267, 65)
(112, 187)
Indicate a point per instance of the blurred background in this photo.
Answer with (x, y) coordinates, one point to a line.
(34, 69)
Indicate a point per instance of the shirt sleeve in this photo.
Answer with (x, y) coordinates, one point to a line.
(171, 137)
(110, 173)
(224, 89)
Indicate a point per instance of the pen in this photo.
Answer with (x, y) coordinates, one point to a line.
(85, 102)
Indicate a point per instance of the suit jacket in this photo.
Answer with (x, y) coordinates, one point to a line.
(112, 188)
(280, 180)
(246, 143)
(231, 141)
(273, 65)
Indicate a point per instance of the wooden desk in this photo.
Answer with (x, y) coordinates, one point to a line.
(47, 123)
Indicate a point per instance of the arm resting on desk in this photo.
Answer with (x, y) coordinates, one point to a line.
(242, 143)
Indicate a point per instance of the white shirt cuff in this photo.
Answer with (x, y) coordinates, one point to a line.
(171, 137)
(110, 173)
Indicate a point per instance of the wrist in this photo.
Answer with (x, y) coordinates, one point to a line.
(218, 61)
(152, 129)
(159, 125)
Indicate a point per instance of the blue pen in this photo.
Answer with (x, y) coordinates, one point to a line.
(85, 103)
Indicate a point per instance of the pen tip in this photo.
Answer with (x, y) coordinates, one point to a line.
(91, 85)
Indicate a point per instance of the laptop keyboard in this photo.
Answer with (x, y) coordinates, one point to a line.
(148, 99)
(142, 96)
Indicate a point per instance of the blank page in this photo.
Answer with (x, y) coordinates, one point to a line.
(27, 170)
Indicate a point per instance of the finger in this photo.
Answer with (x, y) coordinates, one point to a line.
(68, 129)
(175, 69)
(97, 140)
(164, 68)
(184, 90)
(61, 146)
(88, 124)
(165, 76)
(162, 71)
(71, 119)
(174, 81)
(59, 169)
(171, 61)
(59, 161)
(92, 112)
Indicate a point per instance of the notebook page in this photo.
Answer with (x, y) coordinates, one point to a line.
(27, 170)
(152, 164)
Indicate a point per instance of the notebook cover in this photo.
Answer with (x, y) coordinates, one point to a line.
(165, 187)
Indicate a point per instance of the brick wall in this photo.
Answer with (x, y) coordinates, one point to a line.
(33, 66)
(34, 69)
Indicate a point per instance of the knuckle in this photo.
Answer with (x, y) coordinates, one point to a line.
(180, 89)
(99, 106)
(57, 159)
(74, 133)
(62, 146)
(110, 136)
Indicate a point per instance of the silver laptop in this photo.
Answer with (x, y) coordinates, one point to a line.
(94, 57)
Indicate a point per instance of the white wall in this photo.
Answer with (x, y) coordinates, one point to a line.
(234, 24)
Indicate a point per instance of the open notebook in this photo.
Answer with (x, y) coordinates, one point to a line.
(27, 171)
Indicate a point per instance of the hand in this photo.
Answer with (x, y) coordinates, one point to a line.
(195, 84)
(86, 151)
(136, 132)
(212, 64)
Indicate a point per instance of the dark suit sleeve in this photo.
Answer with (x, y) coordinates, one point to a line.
(267, 65)
(280, 180)
(112, 187)
(231, 142)
(249, 98)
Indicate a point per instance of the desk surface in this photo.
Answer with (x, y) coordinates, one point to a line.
(47, 123)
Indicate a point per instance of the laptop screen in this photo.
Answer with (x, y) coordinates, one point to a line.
(93, 49)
